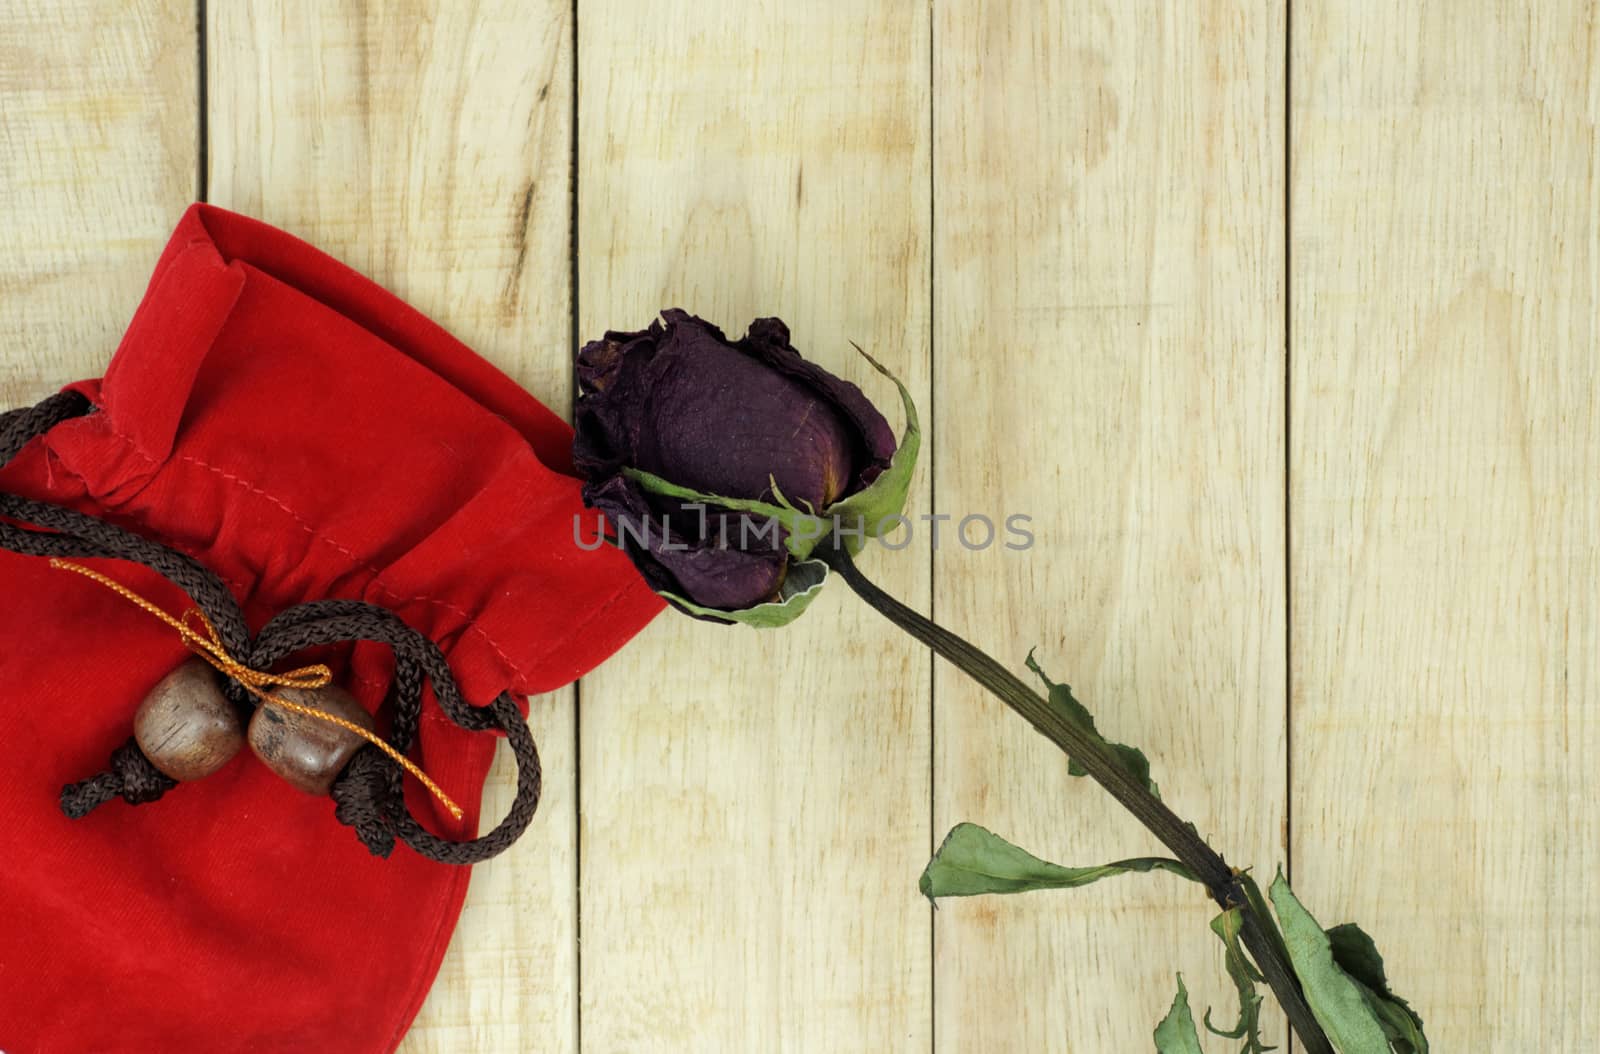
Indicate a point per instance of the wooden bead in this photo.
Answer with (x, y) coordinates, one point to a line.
(305, 750)
(186, 726)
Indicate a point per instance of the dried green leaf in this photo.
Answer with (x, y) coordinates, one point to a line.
(1176, 1033)
(1357, 954)
(1263, 915)
(1335, 998)
(1131, 758)
(1227, 927)
(974, 861)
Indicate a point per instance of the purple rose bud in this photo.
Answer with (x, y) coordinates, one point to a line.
(681, 402)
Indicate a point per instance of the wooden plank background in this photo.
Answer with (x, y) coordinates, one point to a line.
(1446, 502)
(1277, 320)
(1110, 359)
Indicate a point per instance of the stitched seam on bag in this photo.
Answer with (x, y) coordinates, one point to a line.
(439, 930)
(347, 552)
(594, 616)
(305, 525)
(241, 589)
(54, 460)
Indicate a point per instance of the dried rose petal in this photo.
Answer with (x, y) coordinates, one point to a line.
(682, 402)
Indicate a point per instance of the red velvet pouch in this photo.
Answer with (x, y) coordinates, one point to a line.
(305, 435)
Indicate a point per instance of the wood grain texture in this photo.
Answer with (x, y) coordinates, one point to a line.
(98, 157)
(755, 804)
(429, 147)
(1109, 360)
(1446, 453)
(1106, 242)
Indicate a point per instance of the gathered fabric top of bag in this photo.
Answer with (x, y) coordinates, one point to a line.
(308, 441)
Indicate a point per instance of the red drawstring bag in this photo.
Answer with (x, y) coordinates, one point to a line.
(305, 436)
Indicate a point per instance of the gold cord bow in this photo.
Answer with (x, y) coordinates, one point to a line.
(208, 645)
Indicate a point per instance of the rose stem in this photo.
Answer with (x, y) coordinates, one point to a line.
(1175, 834)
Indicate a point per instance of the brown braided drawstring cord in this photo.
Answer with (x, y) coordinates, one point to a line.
(368, 794)
(205, 643)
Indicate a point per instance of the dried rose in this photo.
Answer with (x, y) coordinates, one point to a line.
(721, 464)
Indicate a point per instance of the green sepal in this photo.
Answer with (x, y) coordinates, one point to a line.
(1336, 1000)
(1176, 1033)
(974, 861)
(1131, 758)
(800, 587)
(886, 496)
(783, 500)
(804, 528)
(802, 531)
